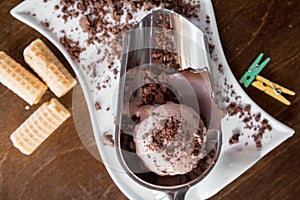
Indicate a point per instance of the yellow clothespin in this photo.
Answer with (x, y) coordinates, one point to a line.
(272, 89)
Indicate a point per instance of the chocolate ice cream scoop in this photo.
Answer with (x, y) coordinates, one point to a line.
(169, 140)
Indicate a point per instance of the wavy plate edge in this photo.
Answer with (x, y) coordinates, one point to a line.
(18, 13)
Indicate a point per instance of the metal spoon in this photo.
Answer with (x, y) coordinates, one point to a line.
(168, 31)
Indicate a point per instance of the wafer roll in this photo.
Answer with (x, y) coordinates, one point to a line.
(39, 126)
(20, 80)
(41, 59)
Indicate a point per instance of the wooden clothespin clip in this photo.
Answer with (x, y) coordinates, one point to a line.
(272, 89)
(254, 70)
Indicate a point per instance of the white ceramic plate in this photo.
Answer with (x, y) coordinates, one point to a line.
(234, 159)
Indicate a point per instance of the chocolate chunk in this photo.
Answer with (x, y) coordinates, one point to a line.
(264, 123)
(115, 71)
(234, 139)
(257, 117)
(258, 145)
(45, 24)
(235, 136)
(211, 47)
(231, 109)
(160, 137)
(220, 68)
(107, 139)
(247, 108)
(72, 47)
(98, 106)
(128, 17)
(84, 23)
(159, 98)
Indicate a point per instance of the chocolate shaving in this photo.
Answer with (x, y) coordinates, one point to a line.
(99, 29)
(160, 137)
(107, 139)
(234, 139)
(257, 117)
(72, 47)
(98, 106)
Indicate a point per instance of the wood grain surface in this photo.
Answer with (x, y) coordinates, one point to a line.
(61, 168)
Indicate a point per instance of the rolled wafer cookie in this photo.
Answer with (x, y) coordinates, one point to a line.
(39, 126)
(41, 59)
(20, 81)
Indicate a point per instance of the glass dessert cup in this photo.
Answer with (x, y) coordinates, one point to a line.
(161, 64)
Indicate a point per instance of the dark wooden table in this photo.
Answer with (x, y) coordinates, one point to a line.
(63, 169)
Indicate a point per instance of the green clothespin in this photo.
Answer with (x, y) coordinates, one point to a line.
(254, 70)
